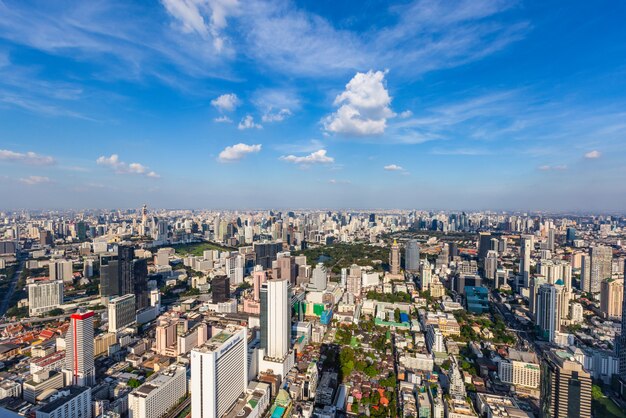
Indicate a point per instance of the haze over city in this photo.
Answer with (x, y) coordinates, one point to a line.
(511, 105)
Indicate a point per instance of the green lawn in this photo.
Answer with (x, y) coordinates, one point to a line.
(604, 407)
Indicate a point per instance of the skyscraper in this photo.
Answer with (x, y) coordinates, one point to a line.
(526, 247)
(601, 267)
(412, 256)
(79, 351)
(275, 318)
(121, 312)
(109, 276)
(621, 343)
(484, 244)
(565, 386)
(585, 270)
(491, 264)
(220, 289)
(611, 298)
(548, 312)
(219, 373)
(394, 258)
(319, 277)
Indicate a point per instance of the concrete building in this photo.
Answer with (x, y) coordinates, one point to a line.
(219, 373)
(520, 369)
(122, 312)
(394, 258)
(611, 298)
(61, 270)
(71, 402)
(565, 388)
(79, 350)
(319, 278)
(40, 384)
(44, 296)
(601, 267)
(412, 256)
(275, 318)
(158, 394)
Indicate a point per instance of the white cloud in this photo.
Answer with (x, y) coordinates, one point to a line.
(364, 106)
(121, 167)
(248, 123)
(237, 152)
(317, 157)
(406, 114)
(559, 167)
(26, 158)
(393, 167)
(276, 116)
(338, 181)
(34, 180)
(191, 15)
(223, 119)
(226, 102)
(591, 155)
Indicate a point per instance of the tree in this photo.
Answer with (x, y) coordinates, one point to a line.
(133, 383)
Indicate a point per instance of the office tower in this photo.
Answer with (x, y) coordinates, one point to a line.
(535, 284)
(79, 351)
(140, 283)
(570, 235)
(125, 258)
(412, 256)
(285, 268)
(259, 276)
(526, 247)
(319, 277)
(69, 402)
(266, 252)
(565, 387)
(109, 276)
(61, 270)
(484, 244)
(219, 373)
(275, 318)
(425, 275)
(585, 273)
(220, 289)
(454, 250)
(122, 312)
(493, 245)
(601, 267)
(611, 298)
(550, 240)
(621, 343)
(394, 258)
(161, 392)
(491, 264)
(548, 312)
(234, 265)
(44, 296)
(354, 281)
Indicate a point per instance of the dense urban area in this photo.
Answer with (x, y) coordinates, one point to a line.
(148, 313)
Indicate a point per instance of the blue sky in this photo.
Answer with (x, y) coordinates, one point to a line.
(477, 104)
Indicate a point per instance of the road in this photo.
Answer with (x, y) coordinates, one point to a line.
(4, 305)
(180, 408)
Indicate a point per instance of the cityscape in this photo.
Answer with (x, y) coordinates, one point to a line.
(176, 313)
(312, 209)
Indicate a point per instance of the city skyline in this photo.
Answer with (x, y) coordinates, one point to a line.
(507, 105)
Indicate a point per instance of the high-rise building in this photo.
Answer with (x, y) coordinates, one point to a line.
(601, 266)
(259, 276)
(44, 296)
(484, 244)
(394, 258)
(219, 373)
(220, 289)
(621, 343)
(109, 276)
(565, 386)
(570, 235)
(319, 278)
(550, 239)
(548, 312)
(526, 247)
(412, 256)
(354, 280)
(275, 318)
(122, 312)
(491, 264)
(265, 253)
(79, 350)
(520, 369)
(61, 270)
(585, 271)
(158, 394)
(611, 298)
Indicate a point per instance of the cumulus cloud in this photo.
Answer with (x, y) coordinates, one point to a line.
(591, 155)
(35, 180)
(226, 102)
(276, 116)
(393, 167)
(223, 119)
(338, 181)
(248, 123)
(120, 167)
(237, 152)
(26, 158)
(317, 157)
(559, 167)
(364, 106)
